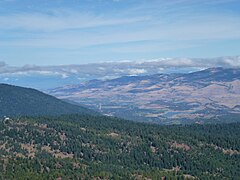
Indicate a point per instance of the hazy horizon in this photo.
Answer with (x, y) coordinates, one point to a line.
(47, 77)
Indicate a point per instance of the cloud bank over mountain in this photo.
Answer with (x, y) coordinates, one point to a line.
(124, 67)
(73, 74)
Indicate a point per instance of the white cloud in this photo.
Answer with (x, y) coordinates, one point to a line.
(161, 69)
(122, 68)
(137, 71)
(65, 75)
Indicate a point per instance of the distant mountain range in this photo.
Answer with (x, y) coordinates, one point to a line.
(18, 101)
(47, 77)
(198, 97)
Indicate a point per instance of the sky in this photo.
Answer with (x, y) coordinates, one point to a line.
(64, 32)
(50, 43)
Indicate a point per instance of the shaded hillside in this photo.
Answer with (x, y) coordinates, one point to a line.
(70, 147)
(163, 98)
(17, 101)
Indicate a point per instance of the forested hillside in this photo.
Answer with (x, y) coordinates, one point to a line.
(99, 147)
(17, 101)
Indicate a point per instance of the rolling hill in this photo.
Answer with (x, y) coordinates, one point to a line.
(19, 101)
(196, 97)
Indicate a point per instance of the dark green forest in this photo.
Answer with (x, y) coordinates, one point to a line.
(99, 147)
(18, 101)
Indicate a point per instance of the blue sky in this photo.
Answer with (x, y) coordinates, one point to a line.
(55, 32)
